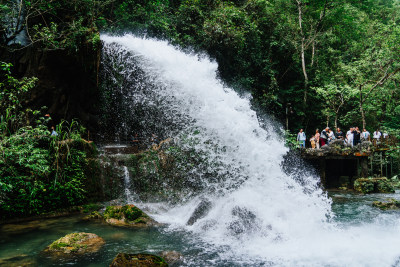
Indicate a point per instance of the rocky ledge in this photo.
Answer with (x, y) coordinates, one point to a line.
(339, 148)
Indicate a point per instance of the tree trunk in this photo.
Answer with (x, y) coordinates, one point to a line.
(361, 108)
(302, 52)
(336, 117)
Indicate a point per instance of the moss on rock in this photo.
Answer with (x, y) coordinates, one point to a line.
(128, 215)
(391, 204)
(76, 243)
(373, 185)
(139, 260)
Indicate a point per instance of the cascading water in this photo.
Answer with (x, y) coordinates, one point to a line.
(127, 183)
(255, 213)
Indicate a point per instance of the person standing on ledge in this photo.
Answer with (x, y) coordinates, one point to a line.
(324, 136)
(349, 136)
(339, 134)
(301, 138)
(365, 135)
(317, 135)
(356, 136)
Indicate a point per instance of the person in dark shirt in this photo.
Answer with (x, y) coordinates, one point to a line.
(324, 136)
(356, 138)
(339, 134)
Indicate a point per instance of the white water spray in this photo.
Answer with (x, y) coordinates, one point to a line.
(268, 217)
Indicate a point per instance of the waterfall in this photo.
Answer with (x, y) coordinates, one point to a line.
(252, 212)
(127, 185)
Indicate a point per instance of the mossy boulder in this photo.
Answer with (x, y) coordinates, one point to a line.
(139, 260)
(373, 185)
(389, 205)
(128, 215)
(76, 243)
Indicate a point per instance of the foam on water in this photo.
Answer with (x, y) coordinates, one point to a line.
(268, 217)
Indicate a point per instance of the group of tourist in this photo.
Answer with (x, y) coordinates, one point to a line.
(352, 137)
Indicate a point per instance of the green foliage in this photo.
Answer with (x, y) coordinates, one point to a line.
(291, 140)
(373, 185)
(38, 172)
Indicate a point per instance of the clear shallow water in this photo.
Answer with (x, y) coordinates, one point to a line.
(30, 238)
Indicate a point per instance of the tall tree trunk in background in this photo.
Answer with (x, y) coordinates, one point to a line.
(361, 108)
(302, 52)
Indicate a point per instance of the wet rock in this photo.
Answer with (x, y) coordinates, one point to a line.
(76, 243)
(172, 257)
(128, 215)
(95, 215)
(200, 212)
(389, 205)
(246, 221)
(373, 185)
(18, 261)
(139, 260)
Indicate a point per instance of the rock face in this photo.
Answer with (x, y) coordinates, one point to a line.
(390, 205)
(67, 82)
(373, 185)
(77, 244)
(139, 260)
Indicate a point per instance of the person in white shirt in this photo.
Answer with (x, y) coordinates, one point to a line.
(365, 135)
(301, 138)
(331, 136)
(377, 135)
(349, 136)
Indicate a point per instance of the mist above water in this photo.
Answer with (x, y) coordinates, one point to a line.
(255, 212)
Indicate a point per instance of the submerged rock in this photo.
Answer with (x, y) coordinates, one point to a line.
(95, 215)
(76, 243)
(373, 185)
(139, 260)
(128, 215)
(172, 257)
(18, 261)
(200, 212)
(391, 204)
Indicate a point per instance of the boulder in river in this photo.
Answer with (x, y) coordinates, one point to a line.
(76, 243)
(139, 260)
(389, 205)
(201, 211)
(128, 215)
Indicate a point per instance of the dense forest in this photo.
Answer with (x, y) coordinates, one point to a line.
(308, 63)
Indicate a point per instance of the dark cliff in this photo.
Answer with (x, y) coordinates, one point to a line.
(68, 82)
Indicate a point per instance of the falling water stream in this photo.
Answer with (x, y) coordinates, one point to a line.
(257, 212)
(256, 215)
